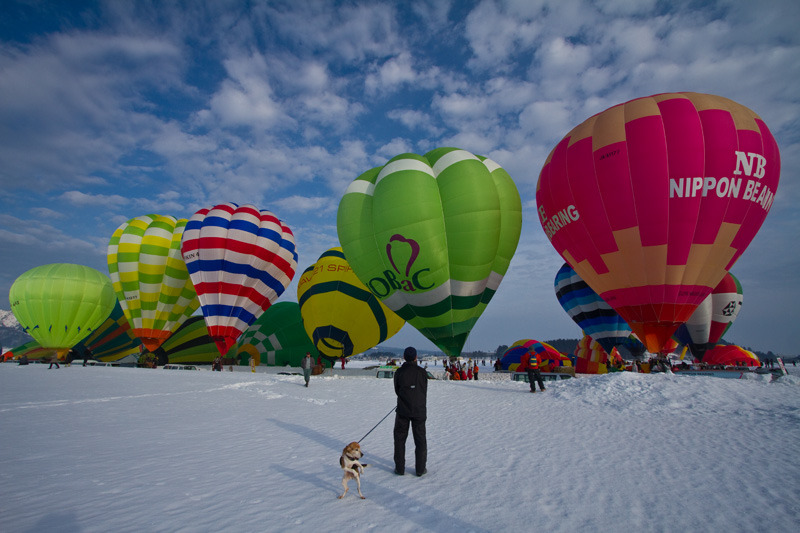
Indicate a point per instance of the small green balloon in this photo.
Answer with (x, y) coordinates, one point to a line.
(60, 304)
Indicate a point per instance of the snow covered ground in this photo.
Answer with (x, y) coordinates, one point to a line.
(120, 449)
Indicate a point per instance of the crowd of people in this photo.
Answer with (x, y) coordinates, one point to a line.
(460, 371)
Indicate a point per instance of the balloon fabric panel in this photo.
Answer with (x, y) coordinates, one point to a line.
(652, 200)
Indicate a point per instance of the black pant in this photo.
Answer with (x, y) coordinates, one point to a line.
(534, 374)
(420, 443)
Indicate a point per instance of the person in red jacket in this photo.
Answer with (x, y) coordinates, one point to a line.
(530, 363)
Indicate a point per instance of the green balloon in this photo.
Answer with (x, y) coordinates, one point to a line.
(432, 236)
(276, 338)
(190, 343)
(60, 304)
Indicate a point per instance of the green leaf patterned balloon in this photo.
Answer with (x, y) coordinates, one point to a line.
(432, 236)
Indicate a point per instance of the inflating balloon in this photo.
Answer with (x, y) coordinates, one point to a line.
(31, 349)
(150, 277)
(190, 343)
(340, 316)
(432, 237)
(594, 316)
(549, 357)
(712, 318)
(112, 340)
(730, 355)
(276, 338)
(240, 260)
(60, 304)
(652, 201)
(591, 358)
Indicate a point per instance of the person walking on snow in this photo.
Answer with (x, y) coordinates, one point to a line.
(307, 364)
(411, 387)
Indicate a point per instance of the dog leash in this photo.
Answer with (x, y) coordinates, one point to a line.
(378, 424)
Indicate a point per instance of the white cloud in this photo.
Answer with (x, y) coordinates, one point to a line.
(494, 36)
(45, 213)
(350, 33)
(546, 116)
(393, 148)
(304, 204)
(81, 199)
(246, 98)
(392, 74)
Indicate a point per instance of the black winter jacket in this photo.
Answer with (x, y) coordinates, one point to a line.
(411, 387)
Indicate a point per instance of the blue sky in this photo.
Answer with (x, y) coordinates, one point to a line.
(110, 110)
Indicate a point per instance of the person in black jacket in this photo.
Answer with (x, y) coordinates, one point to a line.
(411, 387)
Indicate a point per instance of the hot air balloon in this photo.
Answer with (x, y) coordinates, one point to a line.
(549, 357)
(432, 237)
(59, 304)
(240, 260)
(730, 355)
(591, 358)
(276, 338)
(340, 316)
(652, 201)
(190, 343)
(594, 316)
(112, 340)
(150, 277)
(31, 349)
(712, 318)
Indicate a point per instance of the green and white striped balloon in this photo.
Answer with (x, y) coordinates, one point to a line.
(432, 236)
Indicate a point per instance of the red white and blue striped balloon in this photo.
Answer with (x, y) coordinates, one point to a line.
(240, 260)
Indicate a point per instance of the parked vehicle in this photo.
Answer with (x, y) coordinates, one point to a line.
(172, 366)
(387, 371)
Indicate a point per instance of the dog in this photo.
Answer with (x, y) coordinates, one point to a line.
(349, 461)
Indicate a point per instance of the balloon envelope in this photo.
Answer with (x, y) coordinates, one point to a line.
(652, 201)
(60, 304)
(591, 358)
(112, 340)
(548, 356)
(240, 260)
(150, 277)
(432, 237)
(276, 338)
(730, 354)
(594, 316)
(712, 318)
(340, 316)
(190, 343)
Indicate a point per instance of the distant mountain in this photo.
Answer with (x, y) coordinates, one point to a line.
(11, 333)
